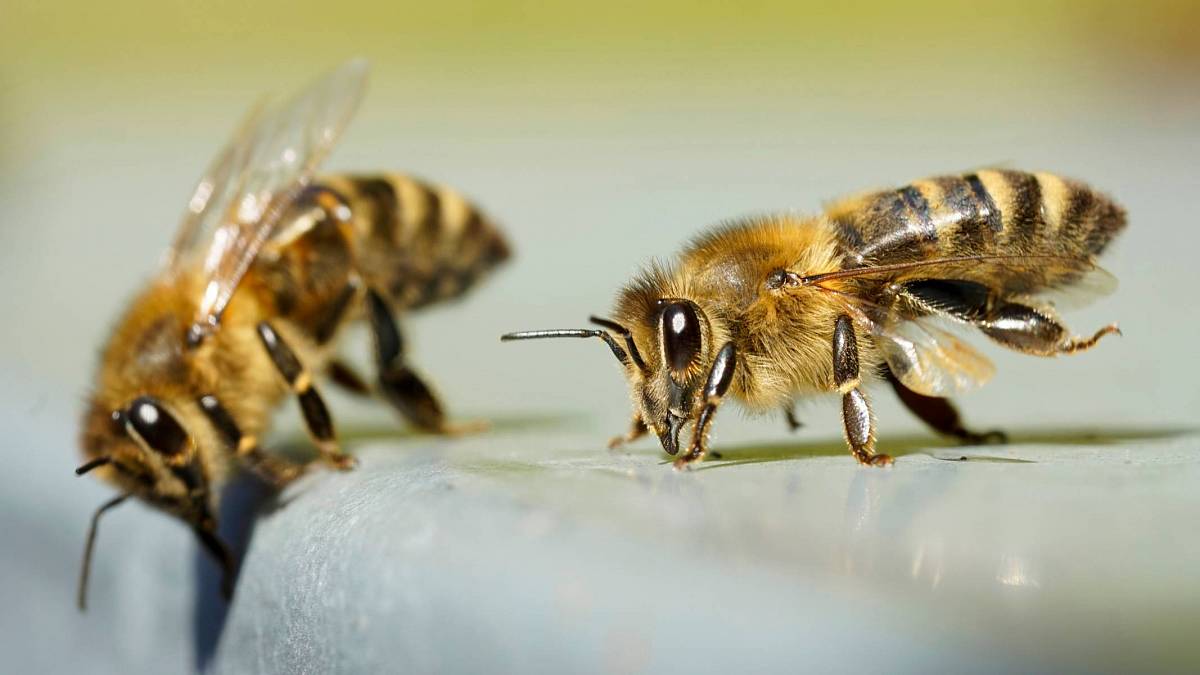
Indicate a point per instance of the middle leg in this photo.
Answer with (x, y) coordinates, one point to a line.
(789, 414)
(316, 414)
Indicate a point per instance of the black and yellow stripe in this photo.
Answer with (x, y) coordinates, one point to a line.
(990, 212)
(419, 243)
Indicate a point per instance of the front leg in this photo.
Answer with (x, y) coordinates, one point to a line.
(637, 429)
(720, 375)
(316, 415)
(207, 536)
(856, 411)
(275, 470)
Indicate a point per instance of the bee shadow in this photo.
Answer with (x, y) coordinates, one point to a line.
(495, 425)
(241, 502)
(938, 448)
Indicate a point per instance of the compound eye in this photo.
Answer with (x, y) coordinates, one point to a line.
(161, 432)
(681, 335)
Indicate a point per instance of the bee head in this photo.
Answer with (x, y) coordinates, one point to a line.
(665, 345)
(144, 449)
(667, 388)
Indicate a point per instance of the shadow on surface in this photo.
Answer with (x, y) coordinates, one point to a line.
(245, 498)
(496, 425)
(241, 501)
(937, 448)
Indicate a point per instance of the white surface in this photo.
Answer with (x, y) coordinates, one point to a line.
(515, 554)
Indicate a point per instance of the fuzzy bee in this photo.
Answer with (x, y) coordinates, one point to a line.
(269, 263)
(767, 310)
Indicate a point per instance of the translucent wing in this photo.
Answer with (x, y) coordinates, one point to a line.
(1066, 282)
(924, 353)
(1082, 287)
(218, 179)
(931, 360)
(250, 184)
(921, 349)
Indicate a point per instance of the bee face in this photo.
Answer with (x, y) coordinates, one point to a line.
(146, 451)
(668, 390)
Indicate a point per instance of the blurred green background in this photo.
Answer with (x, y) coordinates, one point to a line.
(599, 136)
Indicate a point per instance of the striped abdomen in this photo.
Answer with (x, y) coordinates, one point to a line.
(983, 213)
(418, 243)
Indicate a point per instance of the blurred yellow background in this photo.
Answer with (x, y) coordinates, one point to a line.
(599, 137)
(75, 61)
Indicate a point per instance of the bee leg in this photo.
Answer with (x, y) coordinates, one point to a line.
(720, 376)
(789, 414)
(856, 411)
(402, 387)
(207, 535)
(276, 471)
(1079, 344)
(1029, 330)
(346, 377)
(637, 429)
(940, 414)
(335, 314)
(316, 414)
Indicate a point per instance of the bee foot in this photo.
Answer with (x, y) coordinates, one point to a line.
(467, 428)
(993, 437)
(880, 460)
(341, 462)
(688, 459)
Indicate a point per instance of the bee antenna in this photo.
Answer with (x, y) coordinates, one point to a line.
(623, 332)
(573, 333)
(86, 568)
(94, 464)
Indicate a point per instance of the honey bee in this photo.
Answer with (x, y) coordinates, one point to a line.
(269, 263)
(770, 309)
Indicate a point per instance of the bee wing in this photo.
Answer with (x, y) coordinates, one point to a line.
(273, 155)
(931, 360)
(1066, 282)
(923, 352)
(1085, 284)
(217, 181)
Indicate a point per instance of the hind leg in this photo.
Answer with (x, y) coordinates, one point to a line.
(940, 414)
(1033, 331)
(1078, 344)
(400, 386)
